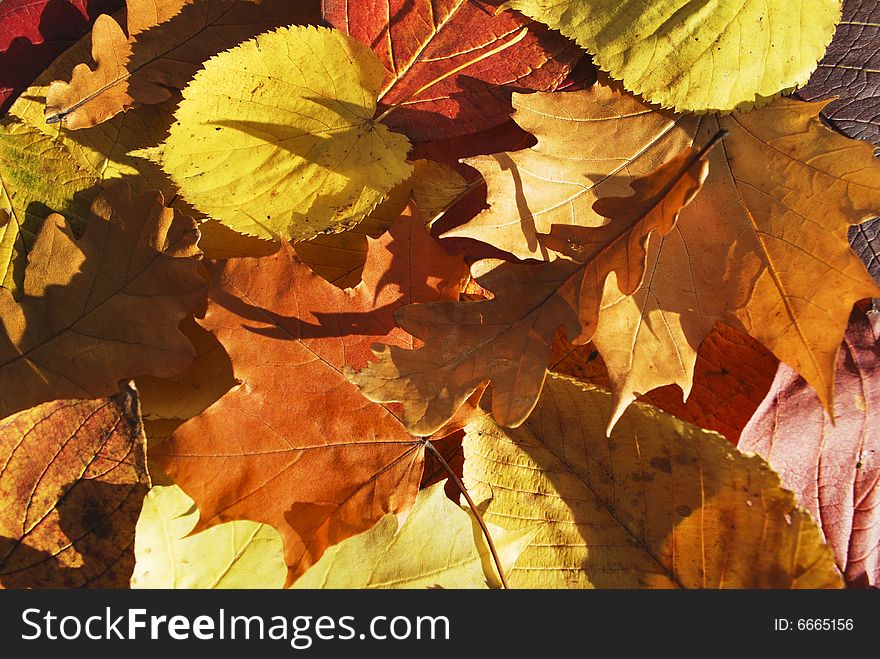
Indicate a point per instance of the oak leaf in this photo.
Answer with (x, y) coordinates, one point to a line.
(237, 554)
(164, 45)
(833, 466)
(294, 444)
(697, 56)
(277, 136)
(507, 339)
(102, 307)
(439, 545)
(73, 480)
(658, 504)
(763, 248)
(450, 65)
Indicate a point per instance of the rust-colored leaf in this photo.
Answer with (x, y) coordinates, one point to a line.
(73, 481)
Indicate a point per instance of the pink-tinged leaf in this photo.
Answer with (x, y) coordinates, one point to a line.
(833, 467)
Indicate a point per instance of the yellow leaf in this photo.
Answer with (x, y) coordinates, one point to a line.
(438, 546)
(239, 554)
(659, 504)
(277, 136)
(697, 55)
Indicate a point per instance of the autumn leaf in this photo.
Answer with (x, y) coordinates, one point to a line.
(34, 32)
(833, 466)
(697, 56)
(450, 65)
(73, 480)
(238, 554)
(507, 339)
(102, 307)
(269, 122)
(865, 240)
(294, 444)
(164, 45)
(732, 374)
(439, 545)
(658, 504)
(762, 249)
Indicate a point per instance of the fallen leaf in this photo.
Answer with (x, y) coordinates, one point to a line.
(762, 248)
(103, 307)
(285, 116)
(164, 45)
(73, 480)
(295, 445)
(507, 339)
(865, 240)
(658, 504)
(439, 545)
(697, 56)
(450, 65)
(733, 373)
(832, 466)
(233, 555)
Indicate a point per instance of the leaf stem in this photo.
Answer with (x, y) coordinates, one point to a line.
(455, 479)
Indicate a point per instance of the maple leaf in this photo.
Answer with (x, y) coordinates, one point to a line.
(237, 554)
(34, 32)
(103, 307)
(163, 48)
(507, 339)
(697, 56)
(732, 374)
(763, 248)
(285, 116)
(654, 505)
(832, 466)
(73, 480)
(294, 444)
(438, 546)
(450, 65)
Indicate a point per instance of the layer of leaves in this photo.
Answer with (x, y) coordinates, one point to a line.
(73, 480)
(697, 56)
(450, 65)
(763, 248)
(326, 464)
(833, 466)
(438, 546)
(233, 555)
(658, 504)
(286, 116)
(162, 48)
(101, 307)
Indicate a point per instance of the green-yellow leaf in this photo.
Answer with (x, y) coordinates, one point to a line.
(658, 504)
(697, 55)
(240, 554)
(277, 136)
(439, 545)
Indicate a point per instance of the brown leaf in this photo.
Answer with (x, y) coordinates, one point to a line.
(506, 340)
(295, 445)
(73, 482)
(832, 466)
(165, 44)
(103, 307)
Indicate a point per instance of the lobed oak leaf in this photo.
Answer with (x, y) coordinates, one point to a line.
(762, 249)
(73, 480)
(450, 65)
(658, 504)
(294, 444)
(102, 307)
(164, 45)
(277, 136)
(438, 545)
(697, 56)
(507, 339)
(833, 466)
